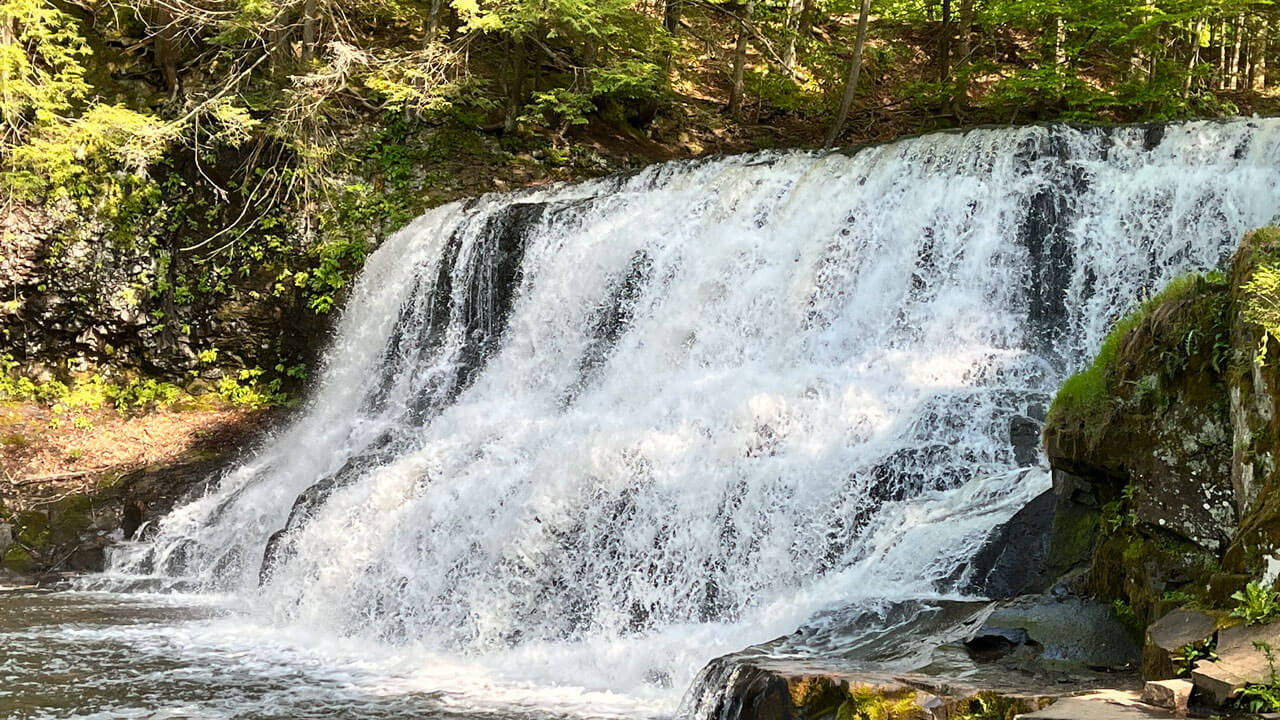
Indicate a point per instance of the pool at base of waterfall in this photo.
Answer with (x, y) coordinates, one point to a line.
(123, 656)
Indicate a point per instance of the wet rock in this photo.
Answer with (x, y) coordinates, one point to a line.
(996, 643)
(1024, 435)
(89, 558)
(131, 519)
(1014, 558)
(1067, 629)
(1169, 635)
(755, 694)
(1168, 694)
(72, 533)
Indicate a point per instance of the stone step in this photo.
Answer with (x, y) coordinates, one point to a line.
(1101, 705)
(1168, 694)
(1240, 662)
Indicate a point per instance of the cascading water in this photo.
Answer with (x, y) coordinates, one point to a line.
(597, 434)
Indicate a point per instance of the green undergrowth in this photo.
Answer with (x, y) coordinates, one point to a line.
(87, 393)
(1260, 296)
(1090, 393)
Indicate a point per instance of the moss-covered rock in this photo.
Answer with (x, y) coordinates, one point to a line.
(1140, 444)
(1165, 450)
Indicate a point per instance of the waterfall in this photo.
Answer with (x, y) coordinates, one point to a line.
(622, 426)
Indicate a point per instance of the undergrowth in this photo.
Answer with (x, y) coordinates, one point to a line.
(94, 392)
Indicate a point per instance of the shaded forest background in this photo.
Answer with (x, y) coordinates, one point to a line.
(189, 185)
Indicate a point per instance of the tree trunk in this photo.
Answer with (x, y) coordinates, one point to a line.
(1250, 46)
(515, 86)
(1222, 55)
(308, 31)
(671, 12)
(1138, 57)
(855, 68)
(165, 45)
(1260, 55)
(1235, 53)
(805, 25)
(1193, 56)
(10, 123)
(433, 21)
(740, 59)
(964, 49)
(790, 24)
(944, 43)
(965, 30)
(1059, 42)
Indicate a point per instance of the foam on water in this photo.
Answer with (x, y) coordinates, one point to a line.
(575, 442)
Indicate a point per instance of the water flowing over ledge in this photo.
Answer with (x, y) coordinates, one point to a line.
(596, 435)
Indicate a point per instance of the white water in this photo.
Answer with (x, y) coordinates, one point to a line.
(728, 394)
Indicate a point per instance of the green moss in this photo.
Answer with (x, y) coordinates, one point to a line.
(69, 517)
(989, 706)
(1260, 289)
(1072, 538)
(1086, 398)
(32, 529)
(819, 696)
(17, 559)
(868, 703)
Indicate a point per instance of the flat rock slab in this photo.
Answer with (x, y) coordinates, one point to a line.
(1104, 705)
(1239, 663)
(1168, 694)
(1066, 629)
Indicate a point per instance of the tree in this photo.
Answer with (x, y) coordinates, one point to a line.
(740, 58)
(855, 68)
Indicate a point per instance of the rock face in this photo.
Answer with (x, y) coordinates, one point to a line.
(80, 302)
(1144, 449)
(1164, 460)
(1255, 398)
(72, 533)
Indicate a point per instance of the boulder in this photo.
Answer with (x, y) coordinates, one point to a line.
(1024, 435)
(1014, 558)
(1166, 637)
(1140, 446)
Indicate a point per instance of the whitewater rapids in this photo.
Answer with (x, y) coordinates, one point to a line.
(581, 440)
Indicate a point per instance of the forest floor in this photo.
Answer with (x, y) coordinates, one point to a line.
(46, 454)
